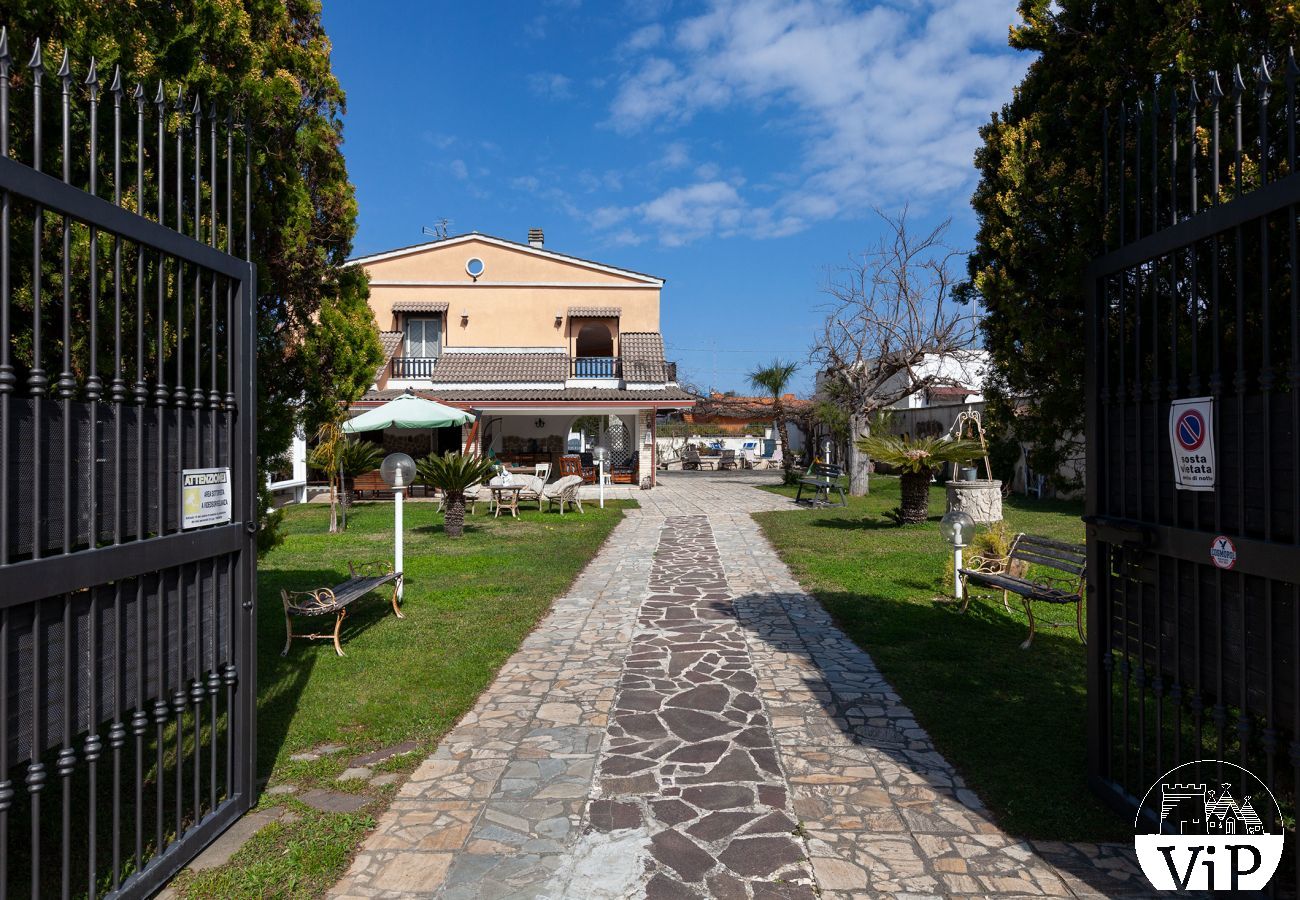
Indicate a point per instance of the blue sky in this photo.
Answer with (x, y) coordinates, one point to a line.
(736, 149)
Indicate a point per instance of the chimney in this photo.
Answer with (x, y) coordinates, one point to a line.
(536, 238)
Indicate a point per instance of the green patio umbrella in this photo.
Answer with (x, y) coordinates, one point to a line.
(407, 411)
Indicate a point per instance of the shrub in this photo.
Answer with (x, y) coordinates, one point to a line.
(993, 542)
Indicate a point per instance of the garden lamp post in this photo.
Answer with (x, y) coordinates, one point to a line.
(398, 470)
(957, 529)
(601, 454)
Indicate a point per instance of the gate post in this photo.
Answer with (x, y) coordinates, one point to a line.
(247, 440)
(1098, 709)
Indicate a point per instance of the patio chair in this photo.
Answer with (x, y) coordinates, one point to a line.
(570, 464)
(728, 460)
(543, 471)
(691, 459)
(562, 491)
(532, 490)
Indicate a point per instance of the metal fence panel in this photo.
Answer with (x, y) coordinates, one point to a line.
(127, 680)
(1197, 296)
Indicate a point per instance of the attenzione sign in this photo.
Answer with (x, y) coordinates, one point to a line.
(205, 497)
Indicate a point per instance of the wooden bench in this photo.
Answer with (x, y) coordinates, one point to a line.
(371, 483)
(824, 479)
(1011, 575)
(324, 601)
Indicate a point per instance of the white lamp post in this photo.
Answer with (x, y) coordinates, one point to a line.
(957, 529)
(398, 470)
(601, 454)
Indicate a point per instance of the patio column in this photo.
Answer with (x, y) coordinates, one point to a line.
(645, 426)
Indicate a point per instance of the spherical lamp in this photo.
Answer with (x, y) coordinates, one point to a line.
(957, 528)
(397, 470)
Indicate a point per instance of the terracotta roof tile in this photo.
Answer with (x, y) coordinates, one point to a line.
(595, 312)
(455, 368)
(667, 395)
(643, 356)
(430, 306)
(389, 341)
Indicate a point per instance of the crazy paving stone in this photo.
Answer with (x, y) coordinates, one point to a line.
(687, 722)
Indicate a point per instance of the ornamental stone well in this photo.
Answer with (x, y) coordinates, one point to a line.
(980, 499)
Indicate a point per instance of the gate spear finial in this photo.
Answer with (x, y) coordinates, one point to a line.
(37, 62)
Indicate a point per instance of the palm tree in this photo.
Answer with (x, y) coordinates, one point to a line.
(775, 378)
(916, 461)
(453, 474)
(342, 459)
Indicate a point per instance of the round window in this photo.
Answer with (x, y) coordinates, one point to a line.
(474, 267)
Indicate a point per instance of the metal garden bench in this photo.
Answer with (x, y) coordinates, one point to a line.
(1011, 575)
(824, 479)
(366, 577)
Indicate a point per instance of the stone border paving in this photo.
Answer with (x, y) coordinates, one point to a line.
(540, 790)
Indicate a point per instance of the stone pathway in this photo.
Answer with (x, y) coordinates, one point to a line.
(687, 723)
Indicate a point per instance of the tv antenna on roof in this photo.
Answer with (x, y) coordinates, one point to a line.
(438, 231)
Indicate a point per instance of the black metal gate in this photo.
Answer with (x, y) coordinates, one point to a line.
(127, 681)
(1193, 632)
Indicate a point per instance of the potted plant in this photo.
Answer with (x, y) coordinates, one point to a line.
(916, 459)
(453, 474)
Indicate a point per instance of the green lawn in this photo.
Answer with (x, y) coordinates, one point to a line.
(468, 605)
(1012, 721)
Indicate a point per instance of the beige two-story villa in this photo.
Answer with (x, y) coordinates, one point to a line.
(552, 353)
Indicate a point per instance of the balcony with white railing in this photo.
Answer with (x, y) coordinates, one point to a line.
(595, 367)
(413, 366)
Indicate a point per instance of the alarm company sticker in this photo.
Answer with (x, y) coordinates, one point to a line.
(1223, 552)
(1191, 438)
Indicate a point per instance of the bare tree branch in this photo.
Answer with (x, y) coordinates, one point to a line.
(891, 309)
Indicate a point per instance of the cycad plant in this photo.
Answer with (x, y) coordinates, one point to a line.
(453, 474)
(916, 459)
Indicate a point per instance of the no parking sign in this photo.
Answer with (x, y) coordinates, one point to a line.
(1191, 437)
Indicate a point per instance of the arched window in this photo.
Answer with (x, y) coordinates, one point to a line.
(594, 339)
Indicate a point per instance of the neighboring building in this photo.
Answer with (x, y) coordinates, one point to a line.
(530, 341)
(962, 373)
(287, 480)
(733, 422)
(733, 414)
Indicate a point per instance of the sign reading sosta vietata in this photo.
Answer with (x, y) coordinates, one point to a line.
(205, 497)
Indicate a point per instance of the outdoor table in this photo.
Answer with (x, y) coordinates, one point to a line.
(506, 495)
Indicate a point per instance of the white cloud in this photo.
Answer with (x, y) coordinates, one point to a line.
(645, 38)
(440, 141)
(886, 100)
(459, 169)
(675, 156)
(527, 183)
(688, 213)
(551, 85)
